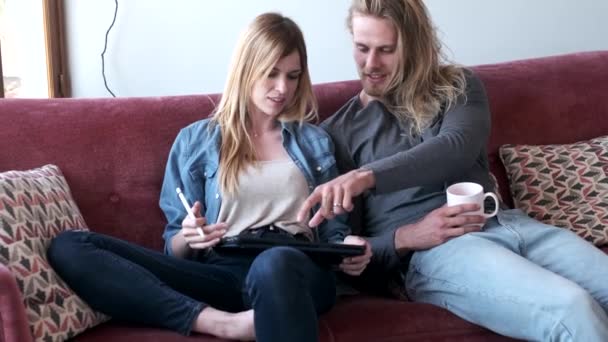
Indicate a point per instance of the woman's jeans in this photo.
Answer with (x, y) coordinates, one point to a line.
(519, 278)
(128, 282)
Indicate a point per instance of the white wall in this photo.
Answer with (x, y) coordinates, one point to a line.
(160, 47)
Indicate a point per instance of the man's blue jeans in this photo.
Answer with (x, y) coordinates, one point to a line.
(519, 278)
(286, 289)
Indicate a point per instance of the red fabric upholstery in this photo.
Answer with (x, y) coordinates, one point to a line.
(362, 318)
(13, 324)
(113, 153)
(548, 100)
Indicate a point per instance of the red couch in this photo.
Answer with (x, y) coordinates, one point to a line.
(113, 153)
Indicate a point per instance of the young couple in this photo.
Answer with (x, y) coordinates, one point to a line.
(424, 114)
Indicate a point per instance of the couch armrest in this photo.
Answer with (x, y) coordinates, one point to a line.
(13, 322)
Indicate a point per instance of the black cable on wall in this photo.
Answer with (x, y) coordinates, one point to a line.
(105, 48)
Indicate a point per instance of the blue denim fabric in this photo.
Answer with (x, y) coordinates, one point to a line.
(286, 289)
(519, 278)
(193, 166)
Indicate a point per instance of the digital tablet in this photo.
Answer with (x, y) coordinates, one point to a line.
(332, 253)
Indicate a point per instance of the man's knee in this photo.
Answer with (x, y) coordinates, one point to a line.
(576, 303)
(577, 314)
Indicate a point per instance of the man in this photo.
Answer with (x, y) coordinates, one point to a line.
(417, 127)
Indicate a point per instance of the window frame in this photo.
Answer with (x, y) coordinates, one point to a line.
(1, 75)
(54, 32)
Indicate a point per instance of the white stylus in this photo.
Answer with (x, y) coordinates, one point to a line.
(188, 210)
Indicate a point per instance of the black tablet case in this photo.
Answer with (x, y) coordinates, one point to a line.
(331, 253)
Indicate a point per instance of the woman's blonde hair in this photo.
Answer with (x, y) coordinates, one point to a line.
(266, 40)
(422, 85)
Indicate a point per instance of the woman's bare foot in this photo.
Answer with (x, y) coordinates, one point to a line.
(233, 326)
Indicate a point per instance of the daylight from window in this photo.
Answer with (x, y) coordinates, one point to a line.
(22, 42)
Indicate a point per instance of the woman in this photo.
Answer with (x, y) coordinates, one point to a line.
(251, 165)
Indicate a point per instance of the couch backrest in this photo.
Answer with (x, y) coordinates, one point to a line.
(113, 151)
(559, 99)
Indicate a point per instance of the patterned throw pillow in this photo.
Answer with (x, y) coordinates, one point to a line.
(35, 206)
(562, 185)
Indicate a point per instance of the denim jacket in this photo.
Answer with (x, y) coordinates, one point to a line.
(193, 167)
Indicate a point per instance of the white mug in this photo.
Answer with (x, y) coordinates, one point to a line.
(467, 192)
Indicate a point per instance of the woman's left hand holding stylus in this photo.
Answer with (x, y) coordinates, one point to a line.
(212, 232)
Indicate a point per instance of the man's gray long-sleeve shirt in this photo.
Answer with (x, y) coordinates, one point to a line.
(411, 172)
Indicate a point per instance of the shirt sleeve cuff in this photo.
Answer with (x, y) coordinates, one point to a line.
(382, 179)
(384, 254)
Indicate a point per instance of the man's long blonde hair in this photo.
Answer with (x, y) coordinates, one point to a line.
(422, 85)
(267, 39)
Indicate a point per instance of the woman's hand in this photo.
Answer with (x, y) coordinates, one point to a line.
(191, 229)
(354, 266)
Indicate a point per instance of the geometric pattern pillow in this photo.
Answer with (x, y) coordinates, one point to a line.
(35, 206)
(563, 185)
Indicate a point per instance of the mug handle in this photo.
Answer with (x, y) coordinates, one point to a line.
(491, 194)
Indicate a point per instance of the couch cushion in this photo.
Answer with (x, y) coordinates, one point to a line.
(128, 332)
(35, 206)
(358, 318)
(368, 318)
(563, 185)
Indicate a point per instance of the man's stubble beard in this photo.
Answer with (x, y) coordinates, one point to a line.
(375, 91)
